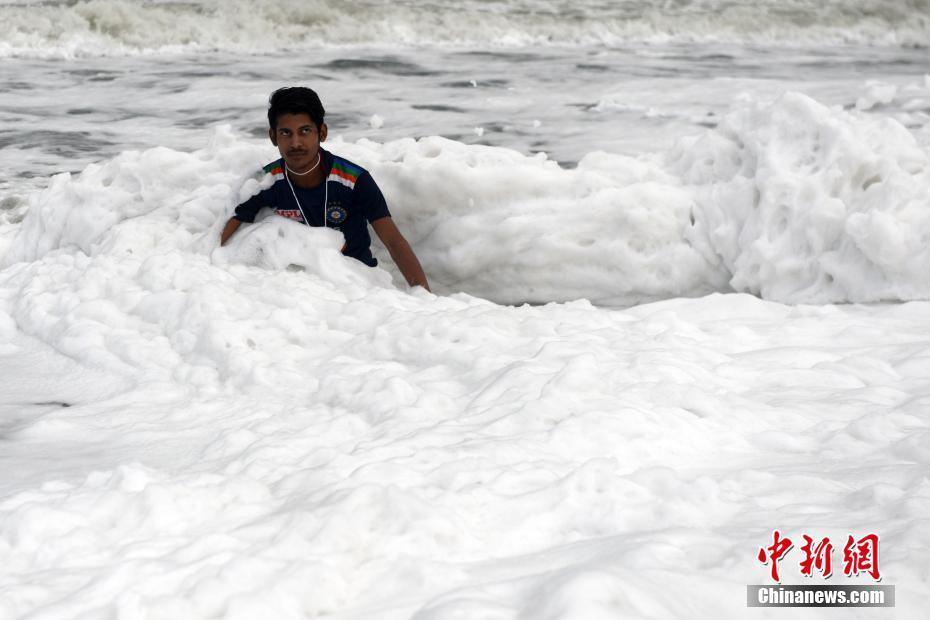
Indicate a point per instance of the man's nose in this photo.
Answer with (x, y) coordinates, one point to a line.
(290, 140)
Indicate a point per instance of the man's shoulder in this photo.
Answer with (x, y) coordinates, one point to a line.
(276, 167)
(344, 171)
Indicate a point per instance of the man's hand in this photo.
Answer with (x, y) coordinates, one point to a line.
(231, 226)
(400, 251)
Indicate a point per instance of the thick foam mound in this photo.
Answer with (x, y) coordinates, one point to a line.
(511, 228)
(791, 201)
(804, 203)
(117, 27)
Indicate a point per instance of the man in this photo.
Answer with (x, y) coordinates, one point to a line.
(313, 186)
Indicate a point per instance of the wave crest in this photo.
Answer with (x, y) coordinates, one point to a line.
(121, 27)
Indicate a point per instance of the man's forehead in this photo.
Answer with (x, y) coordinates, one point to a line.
(295, 120)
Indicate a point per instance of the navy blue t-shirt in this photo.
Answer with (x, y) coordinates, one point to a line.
(353, 200)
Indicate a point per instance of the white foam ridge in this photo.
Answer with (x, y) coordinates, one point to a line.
(121, 27)
(804, 203)
(791, 201)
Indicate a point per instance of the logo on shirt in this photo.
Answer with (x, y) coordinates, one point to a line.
(335, 214)
(293, 214)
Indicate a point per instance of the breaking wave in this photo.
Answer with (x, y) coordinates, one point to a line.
(122, 27)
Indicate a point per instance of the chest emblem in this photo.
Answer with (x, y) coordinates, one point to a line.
(336, 214)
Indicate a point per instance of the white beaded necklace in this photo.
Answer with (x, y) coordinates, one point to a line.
(306, 172)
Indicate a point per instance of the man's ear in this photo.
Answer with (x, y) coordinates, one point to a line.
(272, 136)
(323, 131)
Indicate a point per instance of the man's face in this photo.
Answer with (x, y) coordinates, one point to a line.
(298, 140)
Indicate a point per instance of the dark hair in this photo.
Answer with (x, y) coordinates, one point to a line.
(295, 100)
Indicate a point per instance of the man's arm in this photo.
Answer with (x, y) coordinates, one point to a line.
(400, 251)
(231, 226)
(246, 212)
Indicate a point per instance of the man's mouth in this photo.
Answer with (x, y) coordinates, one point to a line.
(296, 153)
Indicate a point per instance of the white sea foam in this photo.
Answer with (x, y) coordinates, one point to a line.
(118, 27)
(791, 200)
(259, 441)
(804, 203)
(270, 429)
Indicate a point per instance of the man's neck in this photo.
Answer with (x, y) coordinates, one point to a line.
(301, 178)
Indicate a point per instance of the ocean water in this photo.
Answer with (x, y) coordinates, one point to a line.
(86, 80)
(679, 251)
